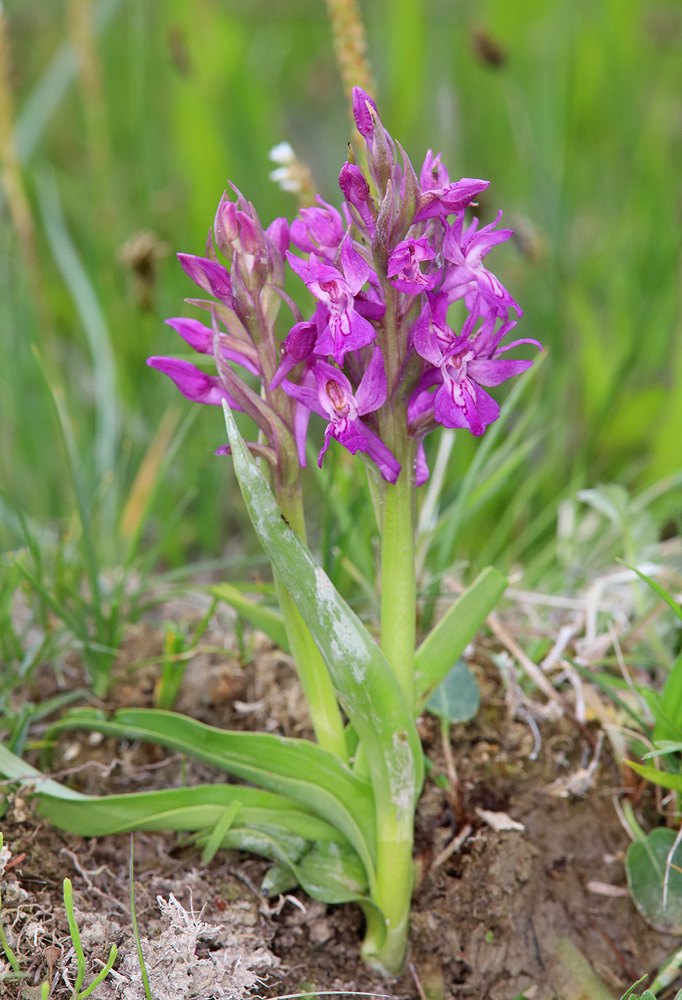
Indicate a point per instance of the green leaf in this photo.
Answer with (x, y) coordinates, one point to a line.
(362, 677)
(663, 778)
(223, 824)
(645, 866)
(15, 769)
(445, 643)
(630, 994)
(664, 727)
(316, 854)
(671, 697)
(332, 868)
(258, 615)
(661, 591)
(663, 747)
(277, 880)
(299, 769)
(327, 871)
(457, 698)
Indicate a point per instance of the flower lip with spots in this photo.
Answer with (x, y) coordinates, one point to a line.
(334, 400)
(346, 329)
(404, 270)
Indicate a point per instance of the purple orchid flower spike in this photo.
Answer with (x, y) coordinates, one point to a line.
(346, 329)
(404, 270)
(465, 250)
(334, 400)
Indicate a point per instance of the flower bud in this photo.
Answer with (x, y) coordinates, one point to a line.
(225, 226)
(361, 113)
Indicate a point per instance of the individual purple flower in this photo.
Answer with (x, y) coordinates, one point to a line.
(193, 383)
(201, 339)
(334, 400)
(404, 270)
(433, 174)
(298, 346)
(357, 193)
(319, 230)
(449, 199)
(467, 364)
(361, 113)
(345, 329)
(465, 250)
(208, 274)
(279, 235)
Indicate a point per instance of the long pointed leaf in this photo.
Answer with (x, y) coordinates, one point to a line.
(445, 643)
(299, 769)
(263, 618)
(661, 591)
(664, 778)
(16, 769)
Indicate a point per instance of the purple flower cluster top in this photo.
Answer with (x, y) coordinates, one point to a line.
(379, 359)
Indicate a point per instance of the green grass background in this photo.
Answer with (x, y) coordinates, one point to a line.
(579, 129)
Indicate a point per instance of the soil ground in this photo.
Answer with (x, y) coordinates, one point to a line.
(538, 910)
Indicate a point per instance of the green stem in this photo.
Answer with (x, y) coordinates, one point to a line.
(385, 945)
(398, 584)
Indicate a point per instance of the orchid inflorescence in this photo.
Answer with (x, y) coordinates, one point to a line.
(377, 359)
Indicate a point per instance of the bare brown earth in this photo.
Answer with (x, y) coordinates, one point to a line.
(506, 913)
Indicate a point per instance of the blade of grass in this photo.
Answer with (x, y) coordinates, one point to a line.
(94, 324)
(45, 97)
(136, 932)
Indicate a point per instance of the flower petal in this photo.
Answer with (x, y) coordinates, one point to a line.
(193, 383)
(495, 371)
(373, 388)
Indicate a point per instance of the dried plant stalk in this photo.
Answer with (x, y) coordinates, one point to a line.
(12, 181)
(350, 46)
(17, 200)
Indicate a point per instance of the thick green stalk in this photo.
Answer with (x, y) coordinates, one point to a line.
(398, 585)
(395, 820)
(394, 891)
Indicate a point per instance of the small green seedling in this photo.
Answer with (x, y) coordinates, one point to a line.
(136, 932)
(79, 994)
(43, 990)
(177, 650)
(647, 994)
